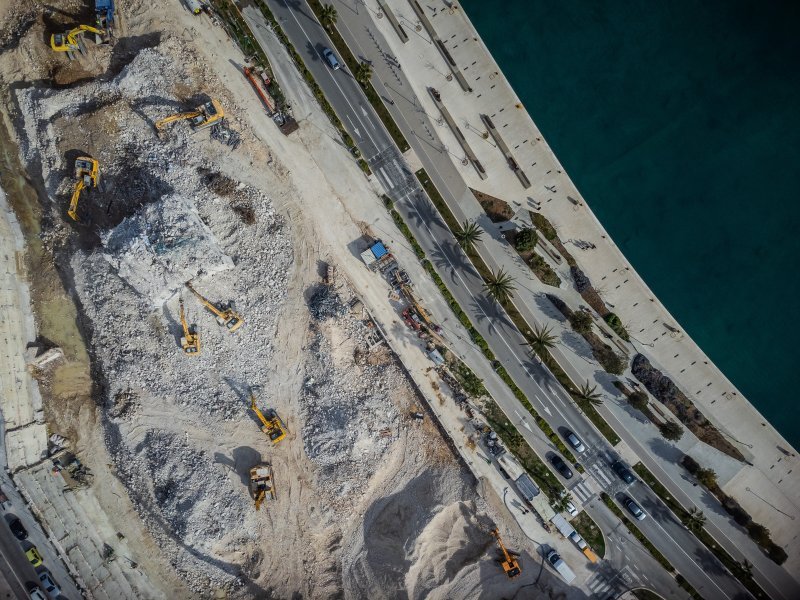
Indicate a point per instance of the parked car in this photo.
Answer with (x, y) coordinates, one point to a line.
(633, 508)
(331, 59)
(18, 529)
(571, 509)
(579, 541)
(574, 441)
(53, 591)
(561, 466)
(33, 555)
(34, 592)
(624, 473)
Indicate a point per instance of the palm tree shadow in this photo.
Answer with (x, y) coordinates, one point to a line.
(487, 309)
(449, 257)
(424, 213)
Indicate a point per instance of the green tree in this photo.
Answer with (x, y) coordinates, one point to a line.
(589, 393)
(363, 72)
(525, 240)
(500, 286)
(671, 431)
(694, 520)
(707, 477)
(581, 321)
(638, 400)
(328, 16)
(759, 534)
(469, 235)
(541, 340)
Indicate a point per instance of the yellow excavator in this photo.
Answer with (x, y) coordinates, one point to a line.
(72, 41)
(190, 342)
(224, 313)
(509, 563)
(87, 173)
(272, 426)
(200, 118)
(261, 483)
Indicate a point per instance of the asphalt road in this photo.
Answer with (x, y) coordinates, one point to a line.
(684, 551)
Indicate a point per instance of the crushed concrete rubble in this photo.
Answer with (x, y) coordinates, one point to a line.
(162, 246)
(370, 502)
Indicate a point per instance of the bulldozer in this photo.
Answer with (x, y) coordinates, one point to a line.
(87, 173)
(272, 425)
(190, 342)
(72, 41)
(262, 483)
(203, 116)
(224, 313)
(509, 563)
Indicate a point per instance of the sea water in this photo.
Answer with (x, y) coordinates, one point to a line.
(679, 122)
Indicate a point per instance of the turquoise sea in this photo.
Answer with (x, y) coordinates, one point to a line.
(679, 122)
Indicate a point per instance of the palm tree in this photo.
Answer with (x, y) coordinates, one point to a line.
(500, 286)
(589, 393)
(695, 520)
(469, 235)
(328, 16)
(363, 72)
(560, 505)
(746, 567)
(541, 340)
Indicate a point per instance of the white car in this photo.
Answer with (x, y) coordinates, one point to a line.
(579, 541)
(571, 509)
(574, 441)
(34, 592)
(53, 591)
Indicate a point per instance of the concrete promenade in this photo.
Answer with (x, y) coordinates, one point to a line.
(767, 489)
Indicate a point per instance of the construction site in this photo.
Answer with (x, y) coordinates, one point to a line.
(225, 412)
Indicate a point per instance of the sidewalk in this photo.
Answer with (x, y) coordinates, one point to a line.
(492, 95)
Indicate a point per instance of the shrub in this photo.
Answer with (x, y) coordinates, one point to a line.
(638, 400)
(759, 534)
(777, 554)
(581, 321)
(707, 477)
(609, 360)
(690, 464)
(582, 282)
(525, 240)
(615, 323)
(671, 431)
(542, 224)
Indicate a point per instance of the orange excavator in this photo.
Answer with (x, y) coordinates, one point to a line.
(190, 342)
(225, 314)
(508, 562)
(87, 175)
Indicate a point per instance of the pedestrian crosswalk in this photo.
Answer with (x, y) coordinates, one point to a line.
(603, 478)
(582, 492)
(607, 584)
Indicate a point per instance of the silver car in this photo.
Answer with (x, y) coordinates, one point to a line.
(574, 441)
(634, 508)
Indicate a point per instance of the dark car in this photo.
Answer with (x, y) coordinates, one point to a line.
(633, 508)
(331, 59)
(624, 473)
(18, 529)
(561, 466)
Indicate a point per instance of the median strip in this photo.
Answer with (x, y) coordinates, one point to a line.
(740, 571)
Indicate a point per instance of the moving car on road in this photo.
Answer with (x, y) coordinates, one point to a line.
(624, 473)
(574, 441)
(18, 529)
(633, 508)
(561, 466)
(331, 59)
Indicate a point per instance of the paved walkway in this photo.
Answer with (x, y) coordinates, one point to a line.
(567, 210)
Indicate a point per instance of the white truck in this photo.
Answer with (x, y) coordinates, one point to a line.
(559, 565)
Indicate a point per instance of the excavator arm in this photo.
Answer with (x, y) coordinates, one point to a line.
(226, 317)
(190, 342)
(73, 203)
(172, 118)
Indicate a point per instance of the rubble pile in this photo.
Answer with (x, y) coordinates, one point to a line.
(351, 412)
